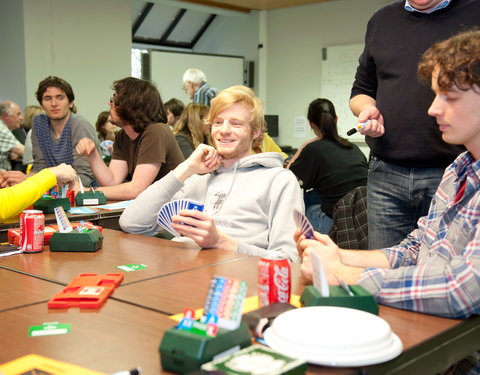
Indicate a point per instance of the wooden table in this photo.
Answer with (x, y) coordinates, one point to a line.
(161, 257)
(117, 337)
(17, 289)
(127, 330)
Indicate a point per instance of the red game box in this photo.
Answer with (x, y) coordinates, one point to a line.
(14, 234)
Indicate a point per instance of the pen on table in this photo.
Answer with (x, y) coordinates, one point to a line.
(135, 371)
(359, 126)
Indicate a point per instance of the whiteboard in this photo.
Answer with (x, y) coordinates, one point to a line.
(167, 68)
(339, 65)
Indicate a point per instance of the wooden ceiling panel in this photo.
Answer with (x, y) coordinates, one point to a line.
(247, 5)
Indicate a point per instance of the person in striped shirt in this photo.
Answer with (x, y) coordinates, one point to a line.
(436, 269)
(196, 87)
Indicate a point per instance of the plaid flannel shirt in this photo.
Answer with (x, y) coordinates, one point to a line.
(436, 269)
(7, 142)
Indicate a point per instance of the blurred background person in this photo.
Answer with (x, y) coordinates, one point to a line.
(105, 129)
(192, 128)
(265, 143)
(174, 109)
(29, 113)
(196, 86)
(11, 149)
(329, 165)
(106, 135)
(12, 116)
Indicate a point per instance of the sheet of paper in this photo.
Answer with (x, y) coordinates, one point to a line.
(116, 205)
(300, 127)
(81, 210)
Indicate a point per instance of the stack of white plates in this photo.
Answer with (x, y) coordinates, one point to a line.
(333, 336)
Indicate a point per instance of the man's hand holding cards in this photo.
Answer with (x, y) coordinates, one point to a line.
(303, 225)
(171, 209)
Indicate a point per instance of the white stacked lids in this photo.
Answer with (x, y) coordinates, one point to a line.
(333, 336)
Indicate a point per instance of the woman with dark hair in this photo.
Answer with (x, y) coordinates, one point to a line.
(328, 165)
(105, 129)
(106, 134)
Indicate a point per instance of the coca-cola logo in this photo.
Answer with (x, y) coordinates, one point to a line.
(281, 279)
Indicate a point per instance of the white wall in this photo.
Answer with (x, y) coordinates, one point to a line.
(12, 57)
(88, 43)
(84, 42)
(295, 40)
(233, 35)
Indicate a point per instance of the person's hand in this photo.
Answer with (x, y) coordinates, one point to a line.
(11, 178)
(375, 126)
(14, 156)
(204, 159)
(85, 147)
(326, 249)
(198, 226)
(3, 179)
(65, 175)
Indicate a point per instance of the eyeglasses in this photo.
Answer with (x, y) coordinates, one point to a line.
(112, 100)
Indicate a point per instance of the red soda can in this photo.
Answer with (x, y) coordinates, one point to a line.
(32, 224)
(274, 280)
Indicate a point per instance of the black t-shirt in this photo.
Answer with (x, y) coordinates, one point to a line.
(156, 144)
(394, 42)
(331, 170)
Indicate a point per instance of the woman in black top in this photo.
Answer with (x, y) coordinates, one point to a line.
(328, 165)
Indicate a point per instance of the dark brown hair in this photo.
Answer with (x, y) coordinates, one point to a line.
(458, 60)
(138, 103)
(101, 120)
(59, 83)
(321, 112)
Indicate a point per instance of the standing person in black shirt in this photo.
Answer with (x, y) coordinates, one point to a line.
(408, 154)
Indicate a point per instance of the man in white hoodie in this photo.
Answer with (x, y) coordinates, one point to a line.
(249, 198)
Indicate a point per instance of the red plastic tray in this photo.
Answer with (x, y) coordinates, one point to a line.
(86, 291)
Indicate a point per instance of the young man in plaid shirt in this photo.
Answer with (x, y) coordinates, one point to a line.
(436, 269)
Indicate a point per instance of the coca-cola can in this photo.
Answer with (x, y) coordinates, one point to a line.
(274, 280)
(32, 225)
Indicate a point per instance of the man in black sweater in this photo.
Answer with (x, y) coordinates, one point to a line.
(408, 154)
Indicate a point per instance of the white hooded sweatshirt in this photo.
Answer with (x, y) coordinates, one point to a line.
(252, 201)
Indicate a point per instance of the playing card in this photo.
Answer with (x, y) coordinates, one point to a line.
(303, 225)
(170, 209)
(319, 277)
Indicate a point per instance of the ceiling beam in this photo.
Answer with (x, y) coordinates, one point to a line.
(218, 5)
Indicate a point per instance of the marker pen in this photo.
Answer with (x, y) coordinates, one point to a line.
(135, 371)
(359, 126)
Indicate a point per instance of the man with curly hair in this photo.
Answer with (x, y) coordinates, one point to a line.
(436, 269)
(145, 149)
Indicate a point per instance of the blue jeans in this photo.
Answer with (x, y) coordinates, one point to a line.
(396, 198)
(320, 221)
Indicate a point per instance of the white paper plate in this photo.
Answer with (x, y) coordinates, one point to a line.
(333, 336)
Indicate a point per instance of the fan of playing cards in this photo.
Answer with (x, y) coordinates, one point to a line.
(170, 209)
(303, 225)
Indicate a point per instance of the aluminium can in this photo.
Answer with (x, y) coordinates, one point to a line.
(274, 280)
(32, 225)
